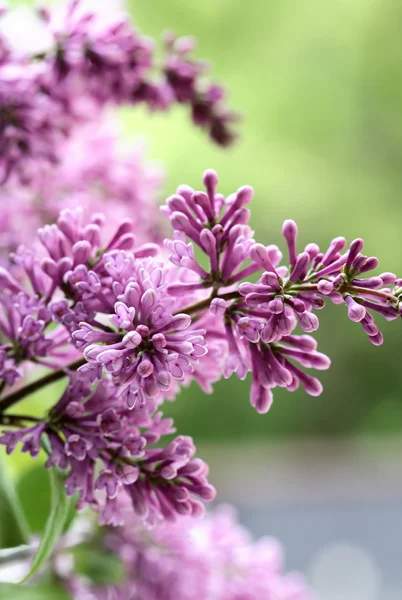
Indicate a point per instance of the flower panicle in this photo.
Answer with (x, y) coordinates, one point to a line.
(131, 324)
(88, 428)
(258, 319)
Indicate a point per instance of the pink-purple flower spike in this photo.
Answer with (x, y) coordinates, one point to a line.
(260, 317)
(133, 325)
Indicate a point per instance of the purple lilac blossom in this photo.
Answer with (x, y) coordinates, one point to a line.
(148, 325)
(132, 327)
(108, 452)
(72, 286)
(259, 318)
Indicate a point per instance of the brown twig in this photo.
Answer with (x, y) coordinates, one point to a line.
(29, 389)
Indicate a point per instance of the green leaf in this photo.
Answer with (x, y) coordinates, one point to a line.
(14, 530)
(59, 513)
(22, 592)
(103, 568)
(37, 512)
(36, 505)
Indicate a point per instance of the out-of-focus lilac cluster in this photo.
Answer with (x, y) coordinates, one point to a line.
(86, 63)
(211, 558)
(94, 173)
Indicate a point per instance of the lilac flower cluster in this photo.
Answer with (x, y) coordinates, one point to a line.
(88, 63)
(259, 318)
(132, 324)
(105, 310)
(88, 428)
(212, 558)
(26, 332)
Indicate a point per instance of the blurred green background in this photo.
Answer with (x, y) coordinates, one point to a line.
(319, 85)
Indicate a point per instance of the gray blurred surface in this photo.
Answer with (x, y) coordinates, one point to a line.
(307, 529)
(340, 499)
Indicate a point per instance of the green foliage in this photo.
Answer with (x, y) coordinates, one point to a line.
(35, 483)
(33, 488)
(60, 512)
(14, 529)
(102, 567)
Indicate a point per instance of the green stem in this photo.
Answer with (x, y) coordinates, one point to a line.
(302, 288)
(352, 289)
(203, 304)
(361, 290)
